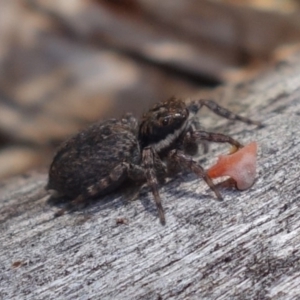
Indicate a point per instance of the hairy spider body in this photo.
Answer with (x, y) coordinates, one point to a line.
(99, 159)
(97, 156)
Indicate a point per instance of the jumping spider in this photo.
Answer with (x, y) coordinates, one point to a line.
(100, 158)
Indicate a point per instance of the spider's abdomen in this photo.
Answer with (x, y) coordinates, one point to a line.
(88, 157)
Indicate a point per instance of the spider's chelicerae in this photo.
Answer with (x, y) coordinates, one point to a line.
(100, 158)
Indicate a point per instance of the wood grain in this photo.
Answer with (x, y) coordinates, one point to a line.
(246, 247)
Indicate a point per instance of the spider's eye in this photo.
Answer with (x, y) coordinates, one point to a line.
(165, 121)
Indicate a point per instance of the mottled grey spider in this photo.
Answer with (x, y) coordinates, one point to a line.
(100, 158)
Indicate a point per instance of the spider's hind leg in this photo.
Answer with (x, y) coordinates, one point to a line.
(77, 203)
(114, 179)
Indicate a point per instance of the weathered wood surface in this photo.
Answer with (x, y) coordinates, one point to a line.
(246, 247)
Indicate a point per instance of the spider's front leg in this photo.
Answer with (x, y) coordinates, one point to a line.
(221, 111)
(149, 159)
(200, 135)
(179, 157)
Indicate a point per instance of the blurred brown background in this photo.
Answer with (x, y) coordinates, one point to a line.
(65, 64)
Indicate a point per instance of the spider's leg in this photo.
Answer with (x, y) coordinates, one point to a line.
(106, 184)
(221, 111)
(179, 157)
(114, 179)
(150, 173)
(73, 205)
(200, 135)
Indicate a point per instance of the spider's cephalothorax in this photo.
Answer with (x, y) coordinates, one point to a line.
(161, 126)
(99, 159)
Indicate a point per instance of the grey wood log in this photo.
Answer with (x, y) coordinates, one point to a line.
(246, 247)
